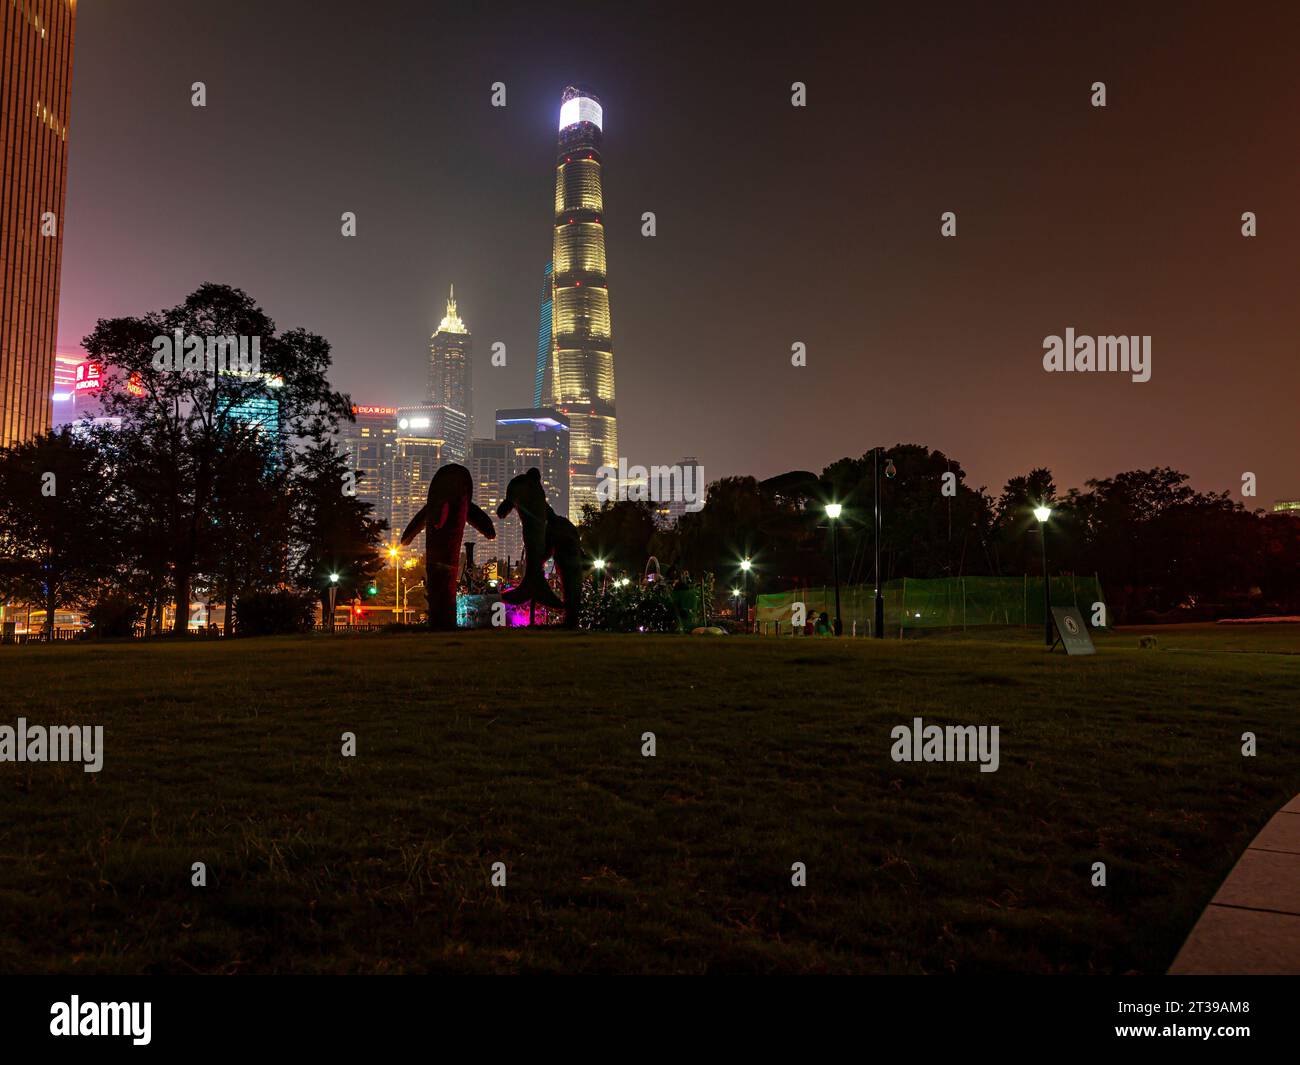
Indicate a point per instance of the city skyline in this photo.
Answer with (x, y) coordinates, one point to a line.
(1134, 228)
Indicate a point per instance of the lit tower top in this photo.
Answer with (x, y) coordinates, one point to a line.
(581, 382)
(451, 322)
(451, 367)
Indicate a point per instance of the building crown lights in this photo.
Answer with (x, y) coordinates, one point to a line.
(581, 109)
(451, 322)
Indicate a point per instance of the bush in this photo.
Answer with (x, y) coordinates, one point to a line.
(114, 616)
(274, 613)
(633, 608)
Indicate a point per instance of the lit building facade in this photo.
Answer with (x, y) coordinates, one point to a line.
(540, 382)
(492, 464)
(437, 422)
(368, 444)
(540, 437)
(582, 351)
(451, 368)
(36, 72)
(669, 511)
(415, 460)
(258, 412)
(69, 371)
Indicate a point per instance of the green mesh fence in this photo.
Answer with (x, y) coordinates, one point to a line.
(944, 603)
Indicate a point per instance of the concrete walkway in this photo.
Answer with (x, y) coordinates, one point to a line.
(1253, 924)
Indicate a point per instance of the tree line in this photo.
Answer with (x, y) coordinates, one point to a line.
(195, 492)
(1161, 549)
(228, 486)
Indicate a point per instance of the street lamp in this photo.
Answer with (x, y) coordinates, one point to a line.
(406, 592)
(1042, 513)
(879, 627)
(744, 569)
(334, 589)
(395, 555)
(833, 511)
(599, 564)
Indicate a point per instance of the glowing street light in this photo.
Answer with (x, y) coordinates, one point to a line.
(599, 565)
(396, 556)
(334, 588)
(745, 565)
(833, 511)
(1042, 512)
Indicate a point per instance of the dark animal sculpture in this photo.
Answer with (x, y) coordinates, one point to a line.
(546, 534)
(444, 515)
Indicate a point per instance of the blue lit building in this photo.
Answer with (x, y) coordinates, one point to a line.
(543, 338)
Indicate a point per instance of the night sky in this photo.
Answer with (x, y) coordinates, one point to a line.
(776, 224)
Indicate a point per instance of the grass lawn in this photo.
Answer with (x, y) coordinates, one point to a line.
(525, 748)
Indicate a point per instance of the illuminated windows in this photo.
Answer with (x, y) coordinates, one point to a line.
(580, 248)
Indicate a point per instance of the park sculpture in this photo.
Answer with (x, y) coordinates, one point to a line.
(546, 535)
(444, 516)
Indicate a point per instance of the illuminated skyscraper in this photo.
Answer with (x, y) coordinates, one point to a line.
(451, 378)
(582, 352)
(437, 422)
(369, 443)
(540, 383)
(492, 464)
(541, 438)
(36, 41)
(415, 460)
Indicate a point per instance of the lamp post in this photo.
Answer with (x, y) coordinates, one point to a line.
(394, 554)
(879, 628)
(600, 568)
(744, 569)
(334, 590)
(833, 511)
(406, 594)
(1042, 513)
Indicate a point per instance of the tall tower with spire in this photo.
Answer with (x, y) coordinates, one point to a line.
(581, 379)
(451, 376)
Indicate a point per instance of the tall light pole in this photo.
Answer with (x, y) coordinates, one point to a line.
(394, 554)
(833, 511)
(879, 627)
(1042, 513)
(406, 595)
(599, 563)
(334, 590)
(744, 569)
